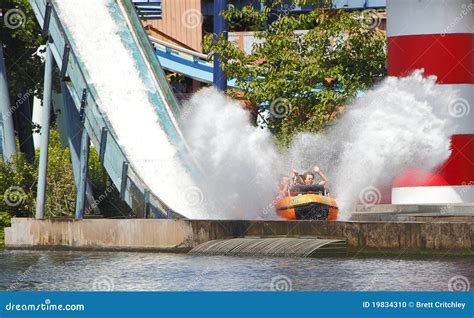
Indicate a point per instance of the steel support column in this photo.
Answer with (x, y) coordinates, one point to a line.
(9, 145)
(83, 175)
(83, 162)
(74, 140)
(220, 28)
(43, 161)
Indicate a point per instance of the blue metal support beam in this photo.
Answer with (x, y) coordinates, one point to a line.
(9, 145)
(23, 107)
(123, 180)
(73, 129)
(84, 162)
(146, 211)
(103, 144)
(74, 141)
(220, 28)
(43, 161)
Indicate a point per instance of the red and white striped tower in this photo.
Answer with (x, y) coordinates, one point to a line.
(437, 35)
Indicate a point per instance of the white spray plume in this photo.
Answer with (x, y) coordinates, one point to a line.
(403, 123)
(239, 160)
(400, 124)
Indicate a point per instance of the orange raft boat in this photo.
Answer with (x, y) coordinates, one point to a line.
(307, 206)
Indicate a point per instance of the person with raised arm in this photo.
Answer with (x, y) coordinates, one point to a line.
(324, 179)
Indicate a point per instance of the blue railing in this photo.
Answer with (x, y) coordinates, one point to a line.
(148, 9)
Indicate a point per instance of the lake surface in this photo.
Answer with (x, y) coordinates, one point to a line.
(123, 271)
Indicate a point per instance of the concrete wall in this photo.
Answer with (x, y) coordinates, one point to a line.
(182, 235)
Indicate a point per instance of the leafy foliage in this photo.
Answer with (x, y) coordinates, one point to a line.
(5, 221)
(314, 72)
(18, 184)
(21, 44)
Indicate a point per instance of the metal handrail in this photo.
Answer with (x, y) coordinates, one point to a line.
(179, 48)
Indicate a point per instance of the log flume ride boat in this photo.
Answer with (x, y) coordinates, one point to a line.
(307, 203)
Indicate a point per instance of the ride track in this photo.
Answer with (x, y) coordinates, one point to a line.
(122, 171)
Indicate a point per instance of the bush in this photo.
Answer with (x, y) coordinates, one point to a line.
(61, 189)
(5, 221)
(18, 186)
(19, 181)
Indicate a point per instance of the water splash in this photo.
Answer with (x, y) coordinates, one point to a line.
(400, 124)
(240, 162)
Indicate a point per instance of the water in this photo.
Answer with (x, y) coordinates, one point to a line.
(240, 161)
(63, 270)
(398, 125)
(402, 123)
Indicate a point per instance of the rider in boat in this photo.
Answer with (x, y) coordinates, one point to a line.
(306, 183)
(284, 187)
(307, 199)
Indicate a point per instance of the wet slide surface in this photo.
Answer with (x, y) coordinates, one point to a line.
(131, 112)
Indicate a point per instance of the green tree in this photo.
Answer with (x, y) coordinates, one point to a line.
(306, 66)
(21, 38)
(5, 221)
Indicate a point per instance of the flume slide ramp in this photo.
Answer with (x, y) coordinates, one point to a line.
(131, 113)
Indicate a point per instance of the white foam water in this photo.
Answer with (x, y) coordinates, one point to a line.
(400, 124)
(240, 162)
(403, 123)
(123, 98)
